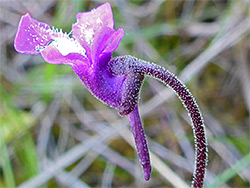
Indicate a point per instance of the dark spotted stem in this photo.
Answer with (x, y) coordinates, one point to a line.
(124, 65)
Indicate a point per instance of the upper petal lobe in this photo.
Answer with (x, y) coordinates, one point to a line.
(32, 36)
(94, 31)
(90, 23)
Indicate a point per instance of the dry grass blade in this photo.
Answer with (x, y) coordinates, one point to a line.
(244, 76)
(70, 180)
(201, 61)
(68, 158)
(46, 124)
(168, 174)
(108, 175)
(227, 40)
(159, 165)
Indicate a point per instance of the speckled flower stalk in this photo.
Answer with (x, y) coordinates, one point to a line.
(114, 81)
(128, 65)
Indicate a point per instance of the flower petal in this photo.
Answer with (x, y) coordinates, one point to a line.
(100, 42)
(80, 34)
(106, 41)
(32, 36)
(113, 41)
(35, 37)
(89, 25)
(52, 55)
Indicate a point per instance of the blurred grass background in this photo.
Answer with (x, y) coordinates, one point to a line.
(53, 133)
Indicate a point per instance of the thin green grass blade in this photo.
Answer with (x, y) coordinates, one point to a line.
(79, 5)
(150, 32)
(15, 128)
(231, 172)
(5, 159)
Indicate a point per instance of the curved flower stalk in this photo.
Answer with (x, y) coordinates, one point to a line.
(128, 65)
(114, 81)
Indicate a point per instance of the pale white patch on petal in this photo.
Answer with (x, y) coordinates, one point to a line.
(99, 21)
(68, 45)
(89, 35)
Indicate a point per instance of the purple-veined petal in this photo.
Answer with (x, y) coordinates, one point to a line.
(32, 36)
(98, 17)
(110, 40)
(114, 41)
(106, 41)
(100, 41)
(80, 34)
(89, 24)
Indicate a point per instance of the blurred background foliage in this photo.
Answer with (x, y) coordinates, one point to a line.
(53, 133)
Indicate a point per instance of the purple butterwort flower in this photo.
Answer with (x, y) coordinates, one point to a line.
(115, 81)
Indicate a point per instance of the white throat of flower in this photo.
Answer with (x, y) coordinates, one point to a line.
(67, 45)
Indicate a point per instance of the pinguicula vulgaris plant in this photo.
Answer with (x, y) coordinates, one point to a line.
(115, 81)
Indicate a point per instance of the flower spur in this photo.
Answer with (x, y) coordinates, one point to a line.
(115, 81)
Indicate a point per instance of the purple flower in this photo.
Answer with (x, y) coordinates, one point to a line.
(88, 52)
(115, 81)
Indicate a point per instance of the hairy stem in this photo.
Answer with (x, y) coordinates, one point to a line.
(128, 64)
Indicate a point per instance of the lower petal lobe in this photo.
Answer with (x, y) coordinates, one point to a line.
(52, 55)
